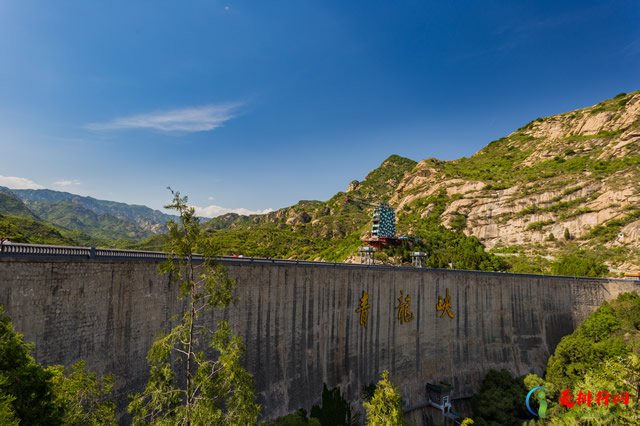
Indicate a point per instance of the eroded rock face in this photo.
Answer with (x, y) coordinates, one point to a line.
(353, 185)
(535, 213)
(299, 219)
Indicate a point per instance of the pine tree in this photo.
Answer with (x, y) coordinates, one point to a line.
(209, 391)
(385, 407)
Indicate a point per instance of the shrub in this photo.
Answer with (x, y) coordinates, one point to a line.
(579, 264)
(499, 400)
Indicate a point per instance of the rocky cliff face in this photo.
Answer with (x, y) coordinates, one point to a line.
(559, 183)
(573, 176)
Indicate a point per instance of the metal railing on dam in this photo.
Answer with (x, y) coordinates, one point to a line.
(72, 252)
(42, 251)
(54, 252)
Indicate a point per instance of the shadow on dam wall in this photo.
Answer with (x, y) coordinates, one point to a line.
(300, 322)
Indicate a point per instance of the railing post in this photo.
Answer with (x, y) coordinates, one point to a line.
(92, 252)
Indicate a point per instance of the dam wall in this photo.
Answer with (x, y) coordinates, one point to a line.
(305, 324)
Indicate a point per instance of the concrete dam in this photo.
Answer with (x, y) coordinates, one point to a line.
(303, 323)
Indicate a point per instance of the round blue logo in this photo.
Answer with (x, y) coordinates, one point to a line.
(542, 409)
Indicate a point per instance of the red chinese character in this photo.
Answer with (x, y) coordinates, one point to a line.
(602, 397)
(621, 398)
(582, 398)
(565, 398)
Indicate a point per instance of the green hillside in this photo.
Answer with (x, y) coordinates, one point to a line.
(141, 215)
(20, 229)
(11, 205)
(80, 220)
(559, 195)
(332, 231)
(100, 226)
(310, 229)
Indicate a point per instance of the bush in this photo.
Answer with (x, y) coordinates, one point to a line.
(579, 264)
(299, 418)
(499, 400)
(335, 410)
(599, 338)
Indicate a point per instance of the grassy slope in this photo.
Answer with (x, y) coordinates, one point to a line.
(12, 205)
(75, 217)
(25, 230)
(325, 230)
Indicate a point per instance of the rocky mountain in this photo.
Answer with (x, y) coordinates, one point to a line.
(569, 178)
(565, 183)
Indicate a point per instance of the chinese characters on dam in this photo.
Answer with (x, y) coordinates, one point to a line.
(444, 306)
(363, 309)
(404, 314)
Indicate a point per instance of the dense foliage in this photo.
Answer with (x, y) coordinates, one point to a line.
(25, 230)
(334, 410)
(299, 418)
(500, 400)
(579, 263)
(34, 395)
(603, 354)
(612, 332)
(444, 247)
(23, 381)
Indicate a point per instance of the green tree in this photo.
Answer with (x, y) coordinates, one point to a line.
(83, 395)
(385, 407)
(613, 377)
(499, 401)
(33, 395)
(600, 355)
(7, 414)
(598, 338)
(208, 390)
(335, 410)
(579, 264)
(25, 386)
(299, 418)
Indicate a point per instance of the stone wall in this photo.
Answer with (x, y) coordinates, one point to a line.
(300, 324)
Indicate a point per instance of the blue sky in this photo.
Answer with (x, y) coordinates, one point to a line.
(258, 104)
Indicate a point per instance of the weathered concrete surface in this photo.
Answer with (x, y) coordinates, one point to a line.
(300, 323)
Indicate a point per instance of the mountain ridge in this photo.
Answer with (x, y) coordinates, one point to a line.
(76, 219)
(562, 184)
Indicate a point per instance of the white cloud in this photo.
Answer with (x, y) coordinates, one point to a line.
(14, 182)
(194, 119)
(65, 183)
(214, 211)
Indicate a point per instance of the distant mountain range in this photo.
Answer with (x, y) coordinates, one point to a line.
(82, 219)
